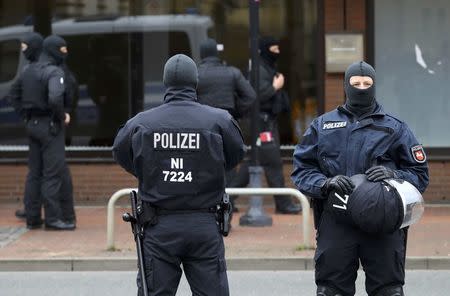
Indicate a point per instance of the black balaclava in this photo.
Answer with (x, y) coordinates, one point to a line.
(180, 71)
(52, 46)
(264, 49)
(359, 101)
(208, 48)
(33, 41)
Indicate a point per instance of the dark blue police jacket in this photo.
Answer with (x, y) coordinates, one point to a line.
(337, 143)
(180, 151)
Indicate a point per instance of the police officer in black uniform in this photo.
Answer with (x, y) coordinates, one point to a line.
(357, 138)
(39, 99)
(31, 46)
(273, 100)
(223, 87)
(180, 152)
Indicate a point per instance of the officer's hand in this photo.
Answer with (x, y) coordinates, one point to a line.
(67, 119)
(278, 81)
(340, 183)
(379, 173)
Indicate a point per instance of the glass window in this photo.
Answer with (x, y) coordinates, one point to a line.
(9, 59)
(155, 55)
(10, 124)
(100, 64)
(294, 23)
(412, 59)
(118, 60)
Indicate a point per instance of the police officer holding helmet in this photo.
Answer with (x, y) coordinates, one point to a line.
(180, 152)
(360, 219)
(39, 97)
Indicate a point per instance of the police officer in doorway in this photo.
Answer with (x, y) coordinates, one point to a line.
(357, 138)
(273, 100)
(180, 152)
(39, 99)
(223, 87)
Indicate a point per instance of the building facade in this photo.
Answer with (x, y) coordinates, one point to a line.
(117, 49)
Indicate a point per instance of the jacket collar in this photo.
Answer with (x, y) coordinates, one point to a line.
(378, 112)
(211, 60)
(46, 59)
(180, 94)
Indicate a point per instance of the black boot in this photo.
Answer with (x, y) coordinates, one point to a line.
(285, 205)
(291, 209)
(71, 220)
(34, 222)
(34, 225)
(327, 291)
(391, 291)
(59, 225)
(21, 214)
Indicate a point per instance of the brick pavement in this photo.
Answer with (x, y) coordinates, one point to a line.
(430, 237)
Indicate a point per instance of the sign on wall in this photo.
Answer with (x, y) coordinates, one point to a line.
(342, 49)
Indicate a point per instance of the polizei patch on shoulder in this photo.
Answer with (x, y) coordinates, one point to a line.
(334, 124)
(418, 154)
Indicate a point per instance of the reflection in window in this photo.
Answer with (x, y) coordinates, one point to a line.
(9, 59)
(294, 23)
(100, 64)
(120, 73)
(412, 59)
(10, 123)
(155, 56)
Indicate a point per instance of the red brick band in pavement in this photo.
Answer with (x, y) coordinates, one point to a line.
(430, 237)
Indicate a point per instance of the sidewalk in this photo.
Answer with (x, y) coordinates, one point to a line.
(276, 247)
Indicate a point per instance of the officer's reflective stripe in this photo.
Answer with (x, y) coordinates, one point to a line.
(175, 140)
(335, 124)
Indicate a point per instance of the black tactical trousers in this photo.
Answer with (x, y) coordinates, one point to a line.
(340, 248)
(192, 240)
(48, 180)
(270, 159)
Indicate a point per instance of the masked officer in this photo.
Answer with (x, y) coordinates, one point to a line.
(223, 87)
(179, 152)
(357, 138)
(39, 99)
(273, 100)
(31, 47)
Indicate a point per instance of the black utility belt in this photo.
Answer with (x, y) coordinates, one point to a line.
(161, 212)
(148, 214)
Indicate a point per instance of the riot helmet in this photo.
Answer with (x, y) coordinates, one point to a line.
(377, 207)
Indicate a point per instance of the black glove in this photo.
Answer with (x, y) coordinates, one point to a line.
(379, 173)
(340, 183)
